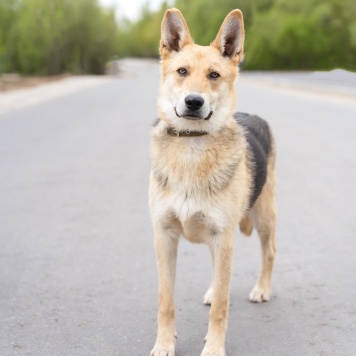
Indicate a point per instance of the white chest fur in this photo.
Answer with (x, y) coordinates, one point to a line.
(194, 179)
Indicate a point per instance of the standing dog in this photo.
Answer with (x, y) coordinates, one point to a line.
(211, 171)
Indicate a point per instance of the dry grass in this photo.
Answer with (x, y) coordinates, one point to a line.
(14, 81)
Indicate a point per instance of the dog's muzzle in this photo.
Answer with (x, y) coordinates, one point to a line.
(193, 104)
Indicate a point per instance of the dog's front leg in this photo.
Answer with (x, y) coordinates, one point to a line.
(166, 243)
(222, 248)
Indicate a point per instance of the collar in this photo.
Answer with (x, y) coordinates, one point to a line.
(186, 133)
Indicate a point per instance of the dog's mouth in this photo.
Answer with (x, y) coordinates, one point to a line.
(193, 116)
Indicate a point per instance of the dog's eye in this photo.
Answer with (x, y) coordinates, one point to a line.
(182, 71)
(214, 75)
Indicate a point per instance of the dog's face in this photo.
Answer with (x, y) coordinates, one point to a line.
(197, 83)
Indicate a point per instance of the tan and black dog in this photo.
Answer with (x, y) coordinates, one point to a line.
(212, 170)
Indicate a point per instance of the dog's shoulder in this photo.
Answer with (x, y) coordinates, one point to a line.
(259, 140)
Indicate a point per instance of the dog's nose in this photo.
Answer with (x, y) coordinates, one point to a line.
(194, 102)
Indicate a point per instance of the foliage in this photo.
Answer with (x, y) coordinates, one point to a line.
(141, 38)
(55, 36)
(280, 34)
(303, 35)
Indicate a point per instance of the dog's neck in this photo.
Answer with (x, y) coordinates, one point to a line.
(185, 133)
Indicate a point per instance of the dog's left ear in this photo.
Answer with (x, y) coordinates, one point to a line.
(230, 39)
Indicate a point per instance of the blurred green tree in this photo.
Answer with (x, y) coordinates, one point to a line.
(306, 34)
(51, 37)
(141, 38)
(280, 34)
(8, 11)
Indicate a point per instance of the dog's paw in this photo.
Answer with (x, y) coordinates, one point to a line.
(163, 351)
(207, 351)
(213, 348)
(164, 346)
(208, 296)
(259, 295)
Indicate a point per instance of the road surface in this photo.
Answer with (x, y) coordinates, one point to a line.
(77, 265)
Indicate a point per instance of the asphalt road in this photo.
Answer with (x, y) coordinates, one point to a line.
(77, 265)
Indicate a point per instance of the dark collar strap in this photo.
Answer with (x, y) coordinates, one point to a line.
(173, 132)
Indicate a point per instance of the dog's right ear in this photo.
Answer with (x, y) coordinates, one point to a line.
(174, 33)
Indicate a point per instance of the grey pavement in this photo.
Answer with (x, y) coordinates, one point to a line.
(337, 82)
(77, 266)
(20, 98)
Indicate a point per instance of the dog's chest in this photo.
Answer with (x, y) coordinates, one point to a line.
(192, 183)
(201, 216)
(189, 200)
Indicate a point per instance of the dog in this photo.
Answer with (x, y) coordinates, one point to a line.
(211, 171)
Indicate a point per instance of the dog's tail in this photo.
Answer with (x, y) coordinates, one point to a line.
(246, 226)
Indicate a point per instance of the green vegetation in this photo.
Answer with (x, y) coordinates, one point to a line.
(56, 36)
(280, 34)
(51, 37)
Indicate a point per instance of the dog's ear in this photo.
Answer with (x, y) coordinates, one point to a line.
(174, 32)
(230, 39)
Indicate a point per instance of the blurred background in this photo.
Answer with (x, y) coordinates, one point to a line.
(77, 263)
(64, 36)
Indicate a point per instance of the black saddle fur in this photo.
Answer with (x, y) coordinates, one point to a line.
(258, 137)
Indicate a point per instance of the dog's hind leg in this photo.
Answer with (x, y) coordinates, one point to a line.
(263, 215)
(166, 244)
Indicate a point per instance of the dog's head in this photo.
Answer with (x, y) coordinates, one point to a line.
(197, 82)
